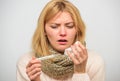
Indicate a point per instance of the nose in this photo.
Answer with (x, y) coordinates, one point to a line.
(63, 31)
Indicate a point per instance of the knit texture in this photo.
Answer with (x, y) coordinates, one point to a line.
(57, 67)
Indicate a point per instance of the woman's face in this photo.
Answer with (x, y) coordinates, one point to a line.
(60, 31)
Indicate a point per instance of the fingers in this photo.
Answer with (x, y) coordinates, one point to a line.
(35, 76)
(34, 63)
(30, 62)
(34, 73)
(33, 68)
(83, 51)
(79, 52)
(75, 61)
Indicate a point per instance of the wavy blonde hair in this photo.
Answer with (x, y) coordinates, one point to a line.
(40, 42)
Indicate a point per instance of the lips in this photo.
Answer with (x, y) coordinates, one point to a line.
(62, 41)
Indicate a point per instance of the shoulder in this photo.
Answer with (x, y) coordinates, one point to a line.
(95, 66)
(94, 59)
(92, 55)
(21, 66)
(25, 58)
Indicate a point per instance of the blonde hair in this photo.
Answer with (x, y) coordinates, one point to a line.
(40, 42)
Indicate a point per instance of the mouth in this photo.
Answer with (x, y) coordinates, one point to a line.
(62, 41)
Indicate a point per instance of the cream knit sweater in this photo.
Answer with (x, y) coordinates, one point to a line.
(95, 69)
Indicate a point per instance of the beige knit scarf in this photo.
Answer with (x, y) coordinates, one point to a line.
(57, 67)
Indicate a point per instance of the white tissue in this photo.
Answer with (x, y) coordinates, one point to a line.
(77, 42)
(69, 49)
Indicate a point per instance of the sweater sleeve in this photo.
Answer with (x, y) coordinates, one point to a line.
(80, 77)
(96, 67)
(21, 69)
(21, 76)
(99, 70)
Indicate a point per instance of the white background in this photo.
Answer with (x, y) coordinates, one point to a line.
(18, 19)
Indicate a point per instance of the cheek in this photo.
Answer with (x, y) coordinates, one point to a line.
(50, 35)
(72, 34)
(48, 32)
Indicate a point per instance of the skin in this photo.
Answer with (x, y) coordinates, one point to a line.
(61, 32)
(61, 27)
(33, 69)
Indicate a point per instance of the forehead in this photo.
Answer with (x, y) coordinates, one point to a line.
(62, 17)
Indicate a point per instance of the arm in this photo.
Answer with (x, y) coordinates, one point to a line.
(33, 69)
(80, 77)
(21, 71)
(79, 57)
(86, 67)
(97, 68)
(95, 71)
(28, 69)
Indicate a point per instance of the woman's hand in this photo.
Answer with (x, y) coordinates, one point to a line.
(33, 69)
(79, 57)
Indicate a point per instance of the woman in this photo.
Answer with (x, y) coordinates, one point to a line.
(59, 27)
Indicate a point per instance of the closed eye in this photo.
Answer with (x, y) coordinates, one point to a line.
(70, 26)
(54, 27)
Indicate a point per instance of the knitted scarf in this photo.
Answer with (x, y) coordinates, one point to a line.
(57, 67)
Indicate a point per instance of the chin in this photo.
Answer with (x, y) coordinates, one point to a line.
(61, 50)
